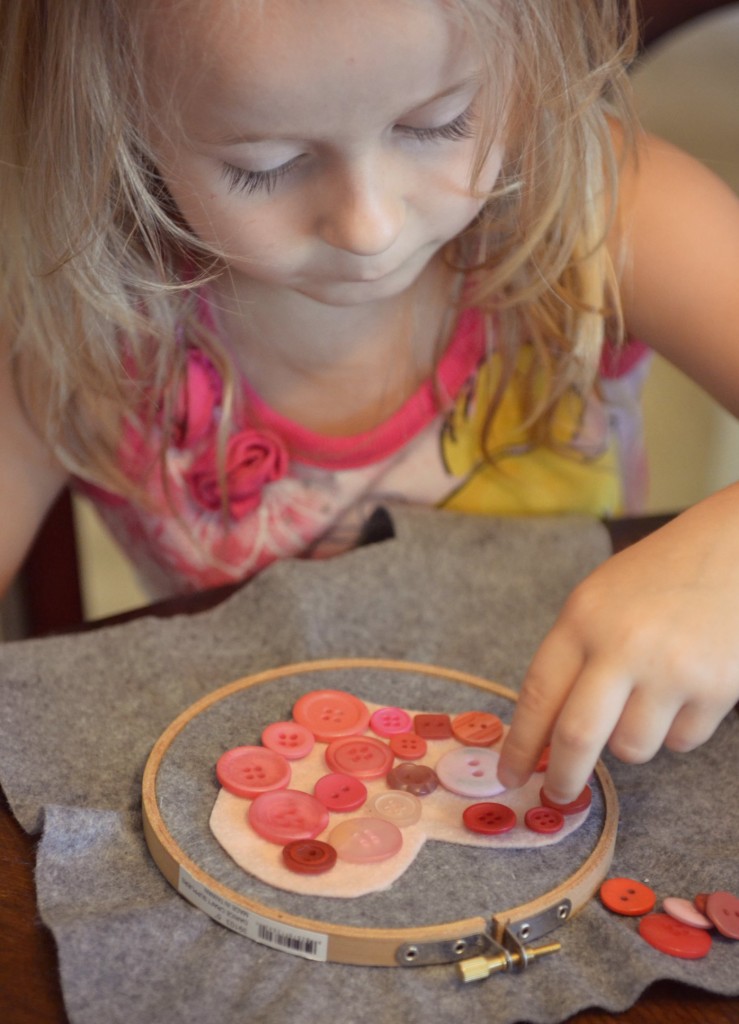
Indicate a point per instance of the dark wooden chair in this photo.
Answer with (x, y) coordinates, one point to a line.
(48, 590)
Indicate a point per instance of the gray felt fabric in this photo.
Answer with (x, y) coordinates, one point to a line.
(79, 715)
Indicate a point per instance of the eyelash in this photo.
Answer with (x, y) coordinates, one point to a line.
(249, 182)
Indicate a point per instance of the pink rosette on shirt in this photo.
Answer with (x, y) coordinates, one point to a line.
(254, 458)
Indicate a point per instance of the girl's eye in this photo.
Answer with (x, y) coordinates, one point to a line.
(240, 180)
(462, 127)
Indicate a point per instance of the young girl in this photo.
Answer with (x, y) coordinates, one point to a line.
(268, 264)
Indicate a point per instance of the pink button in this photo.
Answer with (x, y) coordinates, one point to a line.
(331, 713)
(390, 721)
(408, 746)
(290, 739)
(249, 771)
(340, 792)
(363, 756)
(287, 814)
(723, 909)
(686, 912)
(365, 840)
(470, 771)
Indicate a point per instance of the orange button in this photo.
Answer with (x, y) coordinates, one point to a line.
(477, 728)
(363, 756)
(331, 713)
(408, 746)
(627, 896)
(674, 938)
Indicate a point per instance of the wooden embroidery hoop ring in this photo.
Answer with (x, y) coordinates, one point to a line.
(379, 947)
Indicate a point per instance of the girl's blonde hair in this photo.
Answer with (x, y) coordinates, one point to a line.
(92, 249)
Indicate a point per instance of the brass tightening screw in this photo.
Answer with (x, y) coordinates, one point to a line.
(477, 968)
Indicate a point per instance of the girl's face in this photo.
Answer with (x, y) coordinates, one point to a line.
(325, 146)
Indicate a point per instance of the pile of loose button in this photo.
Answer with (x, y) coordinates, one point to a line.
(392, 749)
(683, 928)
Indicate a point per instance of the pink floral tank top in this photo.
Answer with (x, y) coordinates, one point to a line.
(294, 493)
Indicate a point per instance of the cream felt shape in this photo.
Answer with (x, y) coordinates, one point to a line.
(441, 820)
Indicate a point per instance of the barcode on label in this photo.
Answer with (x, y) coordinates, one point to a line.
(284, 940)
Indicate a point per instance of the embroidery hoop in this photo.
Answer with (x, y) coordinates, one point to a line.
(449, 942)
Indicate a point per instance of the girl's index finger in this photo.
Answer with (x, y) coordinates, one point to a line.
(543, 694)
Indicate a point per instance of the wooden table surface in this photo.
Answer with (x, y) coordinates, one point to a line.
(30, 992)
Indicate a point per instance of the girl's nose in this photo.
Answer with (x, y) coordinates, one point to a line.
(364, 213)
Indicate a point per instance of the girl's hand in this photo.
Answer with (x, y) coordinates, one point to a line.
(645, 652)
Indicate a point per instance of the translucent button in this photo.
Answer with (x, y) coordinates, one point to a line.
(249, 771)
(331, 713)
(470, 771)
(365, 840)
(285, 815)
(396, 805)
(418, 779)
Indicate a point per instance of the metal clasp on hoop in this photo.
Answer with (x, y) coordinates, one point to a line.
(480, 955)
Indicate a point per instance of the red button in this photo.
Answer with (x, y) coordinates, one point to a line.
(390, 721)
(674, 938)
(433, 727)
(627, 896)
(366, 840)
(700, 901)
(249, 771)
(363, 756)
(477, 728)
(580, 803)
(418, 779)
(544, 819)
(290, 739)
(340, 792)
(723, 910)
(408, 746)
(287, 814)
(309, 856)
(331, 713)
(489, 819)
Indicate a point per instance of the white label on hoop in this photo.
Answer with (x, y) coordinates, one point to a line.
(298, 941)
